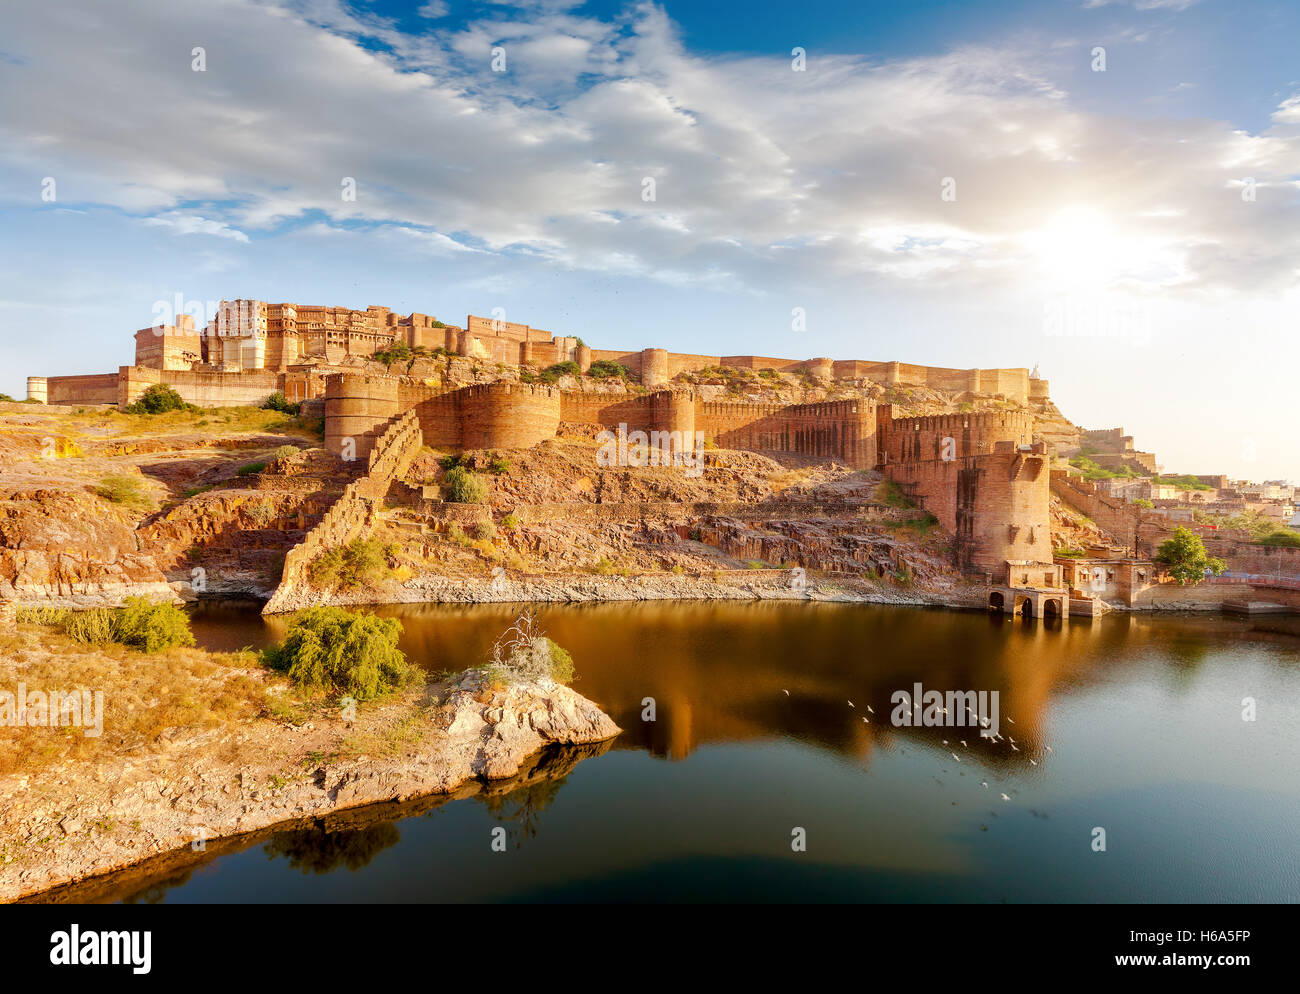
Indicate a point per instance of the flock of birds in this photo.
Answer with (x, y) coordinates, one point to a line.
(996, 738)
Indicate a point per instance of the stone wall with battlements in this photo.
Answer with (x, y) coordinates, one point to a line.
(352, 514)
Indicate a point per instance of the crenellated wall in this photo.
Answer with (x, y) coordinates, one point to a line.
(350, 516)
(911, 439)
(508, 416)
(838, 429)
(982, 475)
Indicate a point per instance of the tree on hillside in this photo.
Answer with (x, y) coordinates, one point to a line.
(1187, 559)
(159, 399)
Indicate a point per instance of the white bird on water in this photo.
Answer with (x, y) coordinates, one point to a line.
(1010, 721)
(1013, 747)
(786, 692)
(865, 720)
(984, 783)
(871, 709)
(954, 756)
(1032, 763)
(1005, 798)
(964, 745)
(1048, 748)
(852, 705)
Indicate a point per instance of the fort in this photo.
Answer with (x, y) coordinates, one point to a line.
(983, 475)
(250, 348)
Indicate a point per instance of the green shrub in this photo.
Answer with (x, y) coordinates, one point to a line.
(552, 373)
(510, 521)
(485, 530)
(149, 627)
(342, 652)
(361, 563)
(1283, 538)
(95, 627)
(6, 399)
(562, 669)
(283, 452)
(456, 534)
(159, 399)
(605, 369)
(523, 652)
(279, 402)
(1142, 502)
(462, 486)
(122, 488)
(500, 465)
(249, 468)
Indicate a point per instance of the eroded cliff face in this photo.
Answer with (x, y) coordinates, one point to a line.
(72, 550)
(96, 506)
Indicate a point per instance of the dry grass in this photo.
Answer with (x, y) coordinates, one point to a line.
(387, 740)
(187, 690)
(792, 478)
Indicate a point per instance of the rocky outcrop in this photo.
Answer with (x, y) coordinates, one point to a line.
(69, 550)
(474, 731)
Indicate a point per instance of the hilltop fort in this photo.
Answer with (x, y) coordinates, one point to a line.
(835, 466)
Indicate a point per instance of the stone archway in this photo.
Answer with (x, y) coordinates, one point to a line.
(997, 602)
(1051, 608)
(1025, 607)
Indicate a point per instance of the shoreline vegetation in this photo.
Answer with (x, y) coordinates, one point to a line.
(199, 747)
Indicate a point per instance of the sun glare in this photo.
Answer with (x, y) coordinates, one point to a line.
(1079, 246)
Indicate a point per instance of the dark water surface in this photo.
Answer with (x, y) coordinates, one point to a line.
(1143, 717)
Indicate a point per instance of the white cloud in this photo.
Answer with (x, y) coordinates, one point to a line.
(1288, 111)
(192, 224)
(763, 175)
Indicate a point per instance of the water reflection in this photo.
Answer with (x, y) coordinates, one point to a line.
(318, 850)
(1128, 721)
(729, 672)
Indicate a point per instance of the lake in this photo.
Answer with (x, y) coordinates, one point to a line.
(1129, 724)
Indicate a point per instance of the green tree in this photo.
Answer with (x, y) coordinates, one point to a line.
(1187, 559)
(343, 652)
(159, 399)
(150, 627)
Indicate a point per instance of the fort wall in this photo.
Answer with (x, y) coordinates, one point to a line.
(912, 439)
(508, 416)
(357, 407)
(97, 388)
(352, 514)
(1124, 522)
(200, 387)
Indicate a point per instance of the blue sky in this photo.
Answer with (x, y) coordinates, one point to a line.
(1151, 210)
